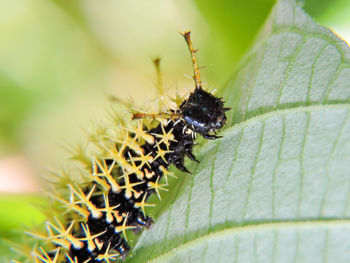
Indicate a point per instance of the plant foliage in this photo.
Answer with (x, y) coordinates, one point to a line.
(276, 187)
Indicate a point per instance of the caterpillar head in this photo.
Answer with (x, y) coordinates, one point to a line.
(204, 112)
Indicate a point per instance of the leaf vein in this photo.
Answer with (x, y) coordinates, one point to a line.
(313, 71)
(265, 226)
(335, 144)
(251, 176)
(288, 70)
(301, 183)
(212, 186)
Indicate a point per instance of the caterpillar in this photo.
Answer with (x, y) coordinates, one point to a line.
(130, 167)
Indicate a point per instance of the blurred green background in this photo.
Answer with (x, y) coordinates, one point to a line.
(61, 59)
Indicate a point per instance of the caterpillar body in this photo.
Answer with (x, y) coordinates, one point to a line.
(132, 168)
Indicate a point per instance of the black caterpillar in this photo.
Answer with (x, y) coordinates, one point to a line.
(129, 173)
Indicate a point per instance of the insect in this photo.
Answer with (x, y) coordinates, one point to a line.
(127, 171)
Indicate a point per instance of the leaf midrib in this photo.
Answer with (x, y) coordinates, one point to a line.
(280, 112)
(266, 225)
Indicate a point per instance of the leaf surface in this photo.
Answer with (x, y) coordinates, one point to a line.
(276, 187)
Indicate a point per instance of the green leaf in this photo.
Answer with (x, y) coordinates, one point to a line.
(276, 187)
(296, 63)
(18, 212)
